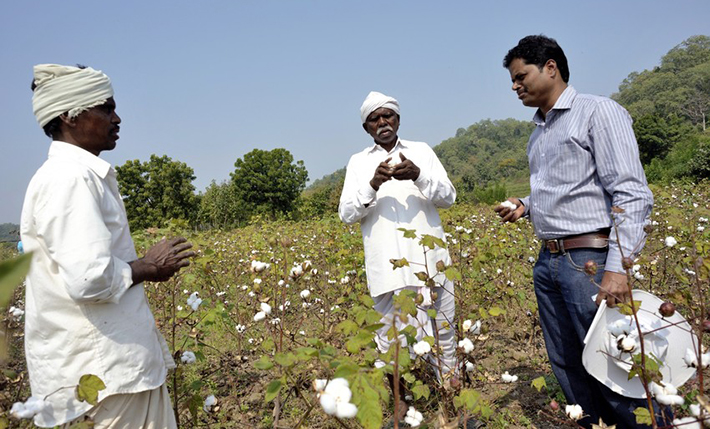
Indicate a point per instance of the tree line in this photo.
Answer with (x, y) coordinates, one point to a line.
(487, 161)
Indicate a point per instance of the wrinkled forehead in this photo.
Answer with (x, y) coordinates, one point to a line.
(382, 111)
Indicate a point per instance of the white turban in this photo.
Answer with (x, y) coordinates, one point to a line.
(374, 101)
(62, 89)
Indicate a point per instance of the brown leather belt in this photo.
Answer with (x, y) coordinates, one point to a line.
(594, 240)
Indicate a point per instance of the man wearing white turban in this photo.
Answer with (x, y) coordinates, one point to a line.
(87, 312)
(396, 184)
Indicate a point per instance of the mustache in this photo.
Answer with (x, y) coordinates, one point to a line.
(383, 129)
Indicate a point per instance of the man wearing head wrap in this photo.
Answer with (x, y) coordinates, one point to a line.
(396, 184)
(86, 310)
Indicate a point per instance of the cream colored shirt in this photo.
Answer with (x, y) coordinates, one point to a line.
(397, 204)
(82, 315)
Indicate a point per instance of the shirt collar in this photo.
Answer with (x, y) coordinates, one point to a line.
(377, 147)
(564, 102)
(66, 150)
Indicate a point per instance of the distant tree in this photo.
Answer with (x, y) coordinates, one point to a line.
(9, 232)
(156, 191)
(656, 135)
(221, 207)
(269, 181)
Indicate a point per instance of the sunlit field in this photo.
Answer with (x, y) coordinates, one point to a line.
(245, 364)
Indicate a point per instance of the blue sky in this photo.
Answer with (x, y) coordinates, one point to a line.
(205, 82)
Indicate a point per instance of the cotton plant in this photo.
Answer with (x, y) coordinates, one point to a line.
(334, 396)
(508, 378)
(194, 301)
(210, 402)
(28, 409)
(265, 310)
(666, 394)
(413, 417)
(421, 348)
(466, 345)
(188, 357)
(574, 411)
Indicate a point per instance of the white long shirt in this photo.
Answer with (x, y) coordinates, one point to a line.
(397, 204)
(82, 315)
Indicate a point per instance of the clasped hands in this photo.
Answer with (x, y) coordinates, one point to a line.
(405, 170)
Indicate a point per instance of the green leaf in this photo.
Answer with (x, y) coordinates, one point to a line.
(88, 389)
(367, 400)
(268, 345)
(431, 313)
(625, 308)
(420, 391)
(306, 353)
(539, 383)
(405, 302)
(496, 311)
(12, 272)
(452, 273)
(468, 399)
(408, 233)
(272, 390)
(363, 338)
(643, 416)
(285, 359)
(432, 242)
(264, 363)
(399, 263)
(347, 327)
(346, 370)
(195, 404)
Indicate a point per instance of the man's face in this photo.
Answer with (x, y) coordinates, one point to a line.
(97, 129)
(533, 85)
(382, 124)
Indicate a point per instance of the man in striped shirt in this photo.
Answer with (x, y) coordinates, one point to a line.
(589, 202)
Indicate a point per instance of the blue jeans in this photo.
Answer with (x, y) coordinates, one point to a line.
(564, 297)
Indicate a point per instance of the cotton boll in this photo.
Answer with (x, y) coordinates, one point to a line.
(258, 317)
(421, 348)
(188, 357)
(266, 308)
(574, 412)
(476, 328)
(210, 401)
(509, 378)
(670, 241)
(509, 205)
(466, 345)
(346, 410)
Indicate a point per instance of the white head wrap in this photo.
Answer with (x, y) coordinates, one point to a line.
(374, 101)
(62, 89)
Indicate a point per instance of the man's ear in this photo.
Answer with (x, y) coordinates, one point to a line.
(551, 68)
(364, 127)
(67, 121)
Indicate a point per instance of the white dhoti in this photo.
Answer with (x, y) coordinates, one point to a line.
(151, 409)
(445, 312)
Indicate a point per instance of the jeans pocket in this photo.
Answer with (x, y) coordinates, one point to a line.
(579, 257)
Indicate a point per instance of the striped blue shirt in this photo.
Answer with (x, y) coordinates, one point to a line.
(584, 159)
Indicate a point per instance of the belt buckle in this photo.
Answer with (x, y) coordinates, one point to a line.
(556, 246)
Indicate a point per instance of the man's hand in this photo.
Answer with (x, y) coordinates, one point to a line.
(162, 261)
(614, 289)
(405, 170)
(383, 173)
(509, 215)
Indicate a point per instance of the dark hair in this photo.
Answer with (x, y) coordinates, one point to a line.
(537, 50)
(52, 127)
